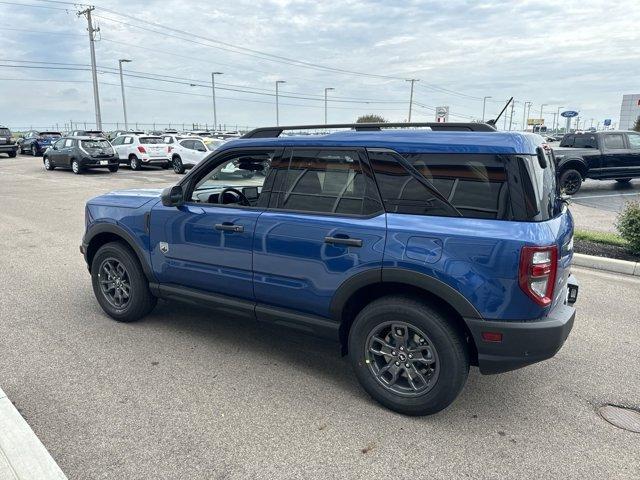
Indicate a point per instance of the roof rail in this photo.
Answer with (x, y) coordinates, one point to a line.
(274, 132)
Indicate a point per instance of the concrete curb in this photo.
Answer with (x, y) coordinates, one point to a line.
(607, 264)
(22, 454)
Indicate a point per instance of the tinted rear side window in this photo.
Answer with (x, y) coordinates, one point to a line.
(324, 181)
(585, 141)
(614, 141)
(476, 185)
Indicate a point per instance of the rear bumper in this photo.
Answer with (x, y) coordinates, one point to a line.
(8, 148)
(155, 161)
(523, 343)
(95, 162)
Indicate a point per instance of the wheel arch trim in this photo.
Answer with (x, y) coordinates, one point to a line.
(98, 229)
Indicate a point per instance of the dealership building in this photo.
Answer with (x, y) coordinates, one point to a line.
(629, 111)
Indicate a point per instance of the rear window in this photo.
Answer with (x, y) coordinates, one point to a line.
(585, 141)
(539, 188)
(93, 144)
(151, 140)
(5, 132)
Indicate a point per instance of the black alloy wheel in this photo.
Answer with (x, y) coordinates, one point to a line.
(570, 181)
(114, 282)
(402, 358)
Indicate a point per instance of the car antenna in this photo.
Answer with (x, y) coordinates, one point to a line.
(495, 120)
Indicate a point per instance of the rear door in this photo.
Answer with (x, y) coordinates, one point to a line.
(633, 154)
(66, 152)
(616, 162)
(324, 224)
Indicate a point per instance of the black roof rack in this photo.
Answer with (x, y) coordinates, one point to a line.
(274, 132)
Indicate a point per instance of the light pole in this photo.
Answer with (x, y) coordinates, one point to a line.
(541, 107)
(124, 102)
(525, 116)
(325, 102)
(213, 91)
(484, 105)
(278, 82)
(413, 81)
(556, 125)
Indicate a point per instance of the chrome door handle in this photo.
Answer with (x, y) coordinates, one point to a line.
(229, 227)
(351, 242)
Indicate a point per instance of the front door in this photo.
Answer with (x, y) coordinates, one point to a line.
(324, 225)
(207, 244)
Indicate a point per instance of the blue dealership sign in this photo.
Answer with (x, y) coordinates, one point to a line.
(607, 122)
(569, 114)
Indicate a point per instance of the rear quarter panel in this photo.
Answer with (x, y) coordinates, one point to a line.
(477, 257)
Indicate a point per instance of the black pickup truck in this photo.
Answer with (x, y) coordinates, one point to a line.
(611, 155)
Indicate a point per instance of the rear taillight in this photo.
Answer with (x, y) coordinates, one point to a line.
(537, 275)
(141, 149)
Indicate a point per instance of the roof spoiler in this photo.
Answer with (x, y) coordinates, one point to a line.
(274, 132)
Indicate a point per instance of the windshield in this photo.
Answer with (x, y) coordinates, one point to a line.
(151, 140)
(95, 144)
(5, 132)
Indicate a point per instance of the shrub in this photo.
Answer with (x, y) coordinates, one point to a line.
(628, 224)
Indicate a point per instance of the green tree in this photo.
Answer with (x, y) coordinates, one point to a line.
(636, 127)
(371, 118)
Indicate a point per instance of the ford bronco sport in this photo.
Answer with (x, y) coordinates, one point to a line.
(421, 251)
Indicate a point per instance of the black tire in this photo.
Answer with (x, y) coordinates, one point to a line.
(446, 344)
(13, 154)
(134, 163)
(570, 181)
(623, 180)
(21, 150)
(34, 150)
(140, 302)
(113, 168)
(178, 166)
(76, 167)
(165, 166)
(47, 164)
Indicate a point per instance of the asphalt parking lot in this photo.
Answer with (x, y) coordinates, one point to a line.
(184, 395)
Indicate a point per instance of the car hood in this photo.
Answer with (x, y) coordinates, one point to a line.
(133, 198)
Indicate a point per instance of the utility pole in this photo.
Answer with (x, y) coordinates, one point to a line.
(124, 102)
(513, 105)
(484, 105)
(541, 117)
(529, 113)
(213, 91)
(325, 102)
(278, 82)
(525, 105)
(92, 31)
(557, 124)
(413, 81)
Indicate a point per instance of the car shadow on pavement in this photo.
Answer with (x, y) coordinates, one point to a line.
(272, 344)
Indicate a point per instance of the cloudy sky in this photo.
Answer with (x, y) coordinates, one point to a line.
(582, 55)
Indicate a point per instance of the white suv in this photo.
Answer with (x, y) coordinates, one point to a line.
(188, 152)
(139, 150)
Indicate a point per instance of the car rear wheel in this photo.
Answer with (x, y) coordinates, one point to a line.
(47, 164)
(407, 356)
(570, 181)
(134, 163)
(119, 283)
(623, 180)
(34, 150)
(13, 154)
(178, 167)
(75, 167)
(113, 168)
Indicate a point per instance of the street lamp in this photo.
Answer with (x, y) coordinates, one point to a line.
(525, 115)
(325, 102)
(124, 103)
(541, 107)
(484, 104)
(556, 125)
(278, 82)
(213, 91)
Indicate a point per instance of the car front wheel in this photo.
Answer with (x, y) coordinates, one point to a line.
(570, 181)
(34, 150)
(119, 283)
(75, 167)
(113, 168)
(407, 356)
(47, 164)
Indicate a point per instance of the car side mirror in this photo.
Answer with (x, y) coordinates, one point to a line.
(172, 196)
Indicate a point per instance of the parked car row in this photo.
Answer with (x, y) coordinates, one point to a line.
(81, 152)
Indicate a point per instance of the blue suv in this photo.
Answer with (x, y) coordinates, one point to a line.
(421, 251)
